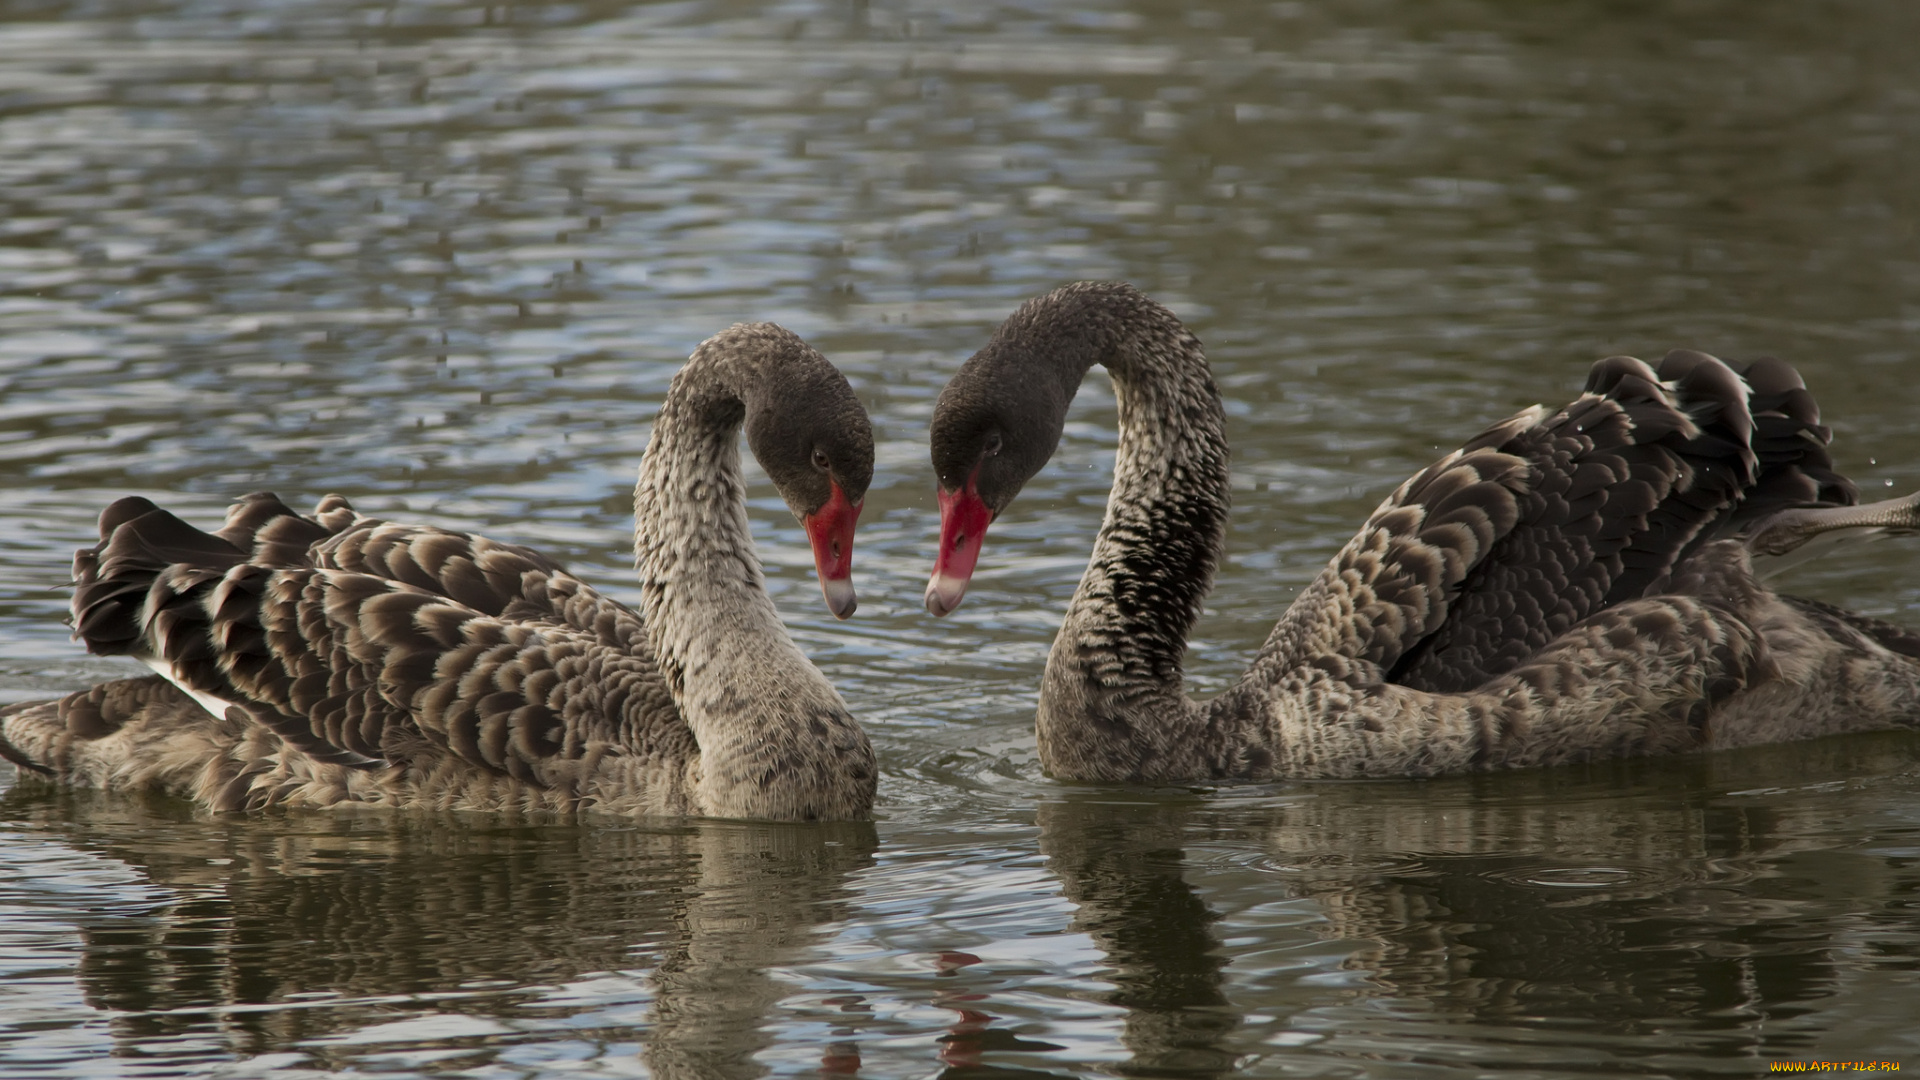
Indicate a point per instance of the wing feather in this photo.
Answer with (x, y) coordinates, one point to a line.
(358, 641)
(1481, 560)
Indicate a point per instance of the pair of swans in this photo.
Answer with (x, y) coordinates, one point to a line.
(1566, 586)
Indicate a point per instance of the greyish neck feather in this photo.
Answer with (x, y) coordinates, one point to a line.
(775, 738)
(1113, 686)
(693, 546)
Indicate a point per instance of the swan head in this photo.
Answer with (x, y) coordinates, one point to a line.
(812, 436)
(999, 420)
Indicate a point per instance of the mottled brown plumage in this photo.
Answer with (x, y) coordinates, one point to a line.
(337, 658)
(1567, 585)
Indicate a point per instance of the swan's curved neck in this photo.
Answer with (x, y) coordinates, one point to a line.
(771, 728)
(1116, 665)
(702, 585)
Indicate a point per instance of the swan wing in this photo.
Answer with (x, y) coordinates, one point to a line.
(514, 583)
(377, 644)
(1477, 562)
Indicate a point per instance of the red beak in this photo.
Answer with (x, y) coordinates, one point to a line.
(830, 531)
(964, 518)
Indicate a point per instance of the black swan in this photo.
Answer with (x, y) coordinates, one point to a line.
(341, 659)
(1566, 586)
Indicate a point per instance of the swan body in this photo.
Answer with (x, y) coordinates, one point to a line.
(337, 659)
(1567, 586)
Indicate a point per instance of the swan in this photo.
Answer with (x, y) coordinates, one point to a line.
(340, 659)
(1566, 586)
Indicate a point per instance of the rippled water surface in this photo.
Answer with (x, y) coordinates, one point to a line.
(444, 257)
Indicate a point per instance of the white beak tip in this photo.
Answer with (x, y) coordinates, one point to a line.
(944, 594)
(840, 597)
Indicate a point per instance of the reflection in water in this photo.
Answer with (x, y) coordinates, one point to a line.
(1698, 903)
(1122, 865)
(761, 894)
(340, 936)
(1605, 907)
(971, 1036)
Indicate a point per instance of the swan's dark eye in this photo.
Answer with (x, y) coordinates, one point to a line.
(993, 443)
(820, 460)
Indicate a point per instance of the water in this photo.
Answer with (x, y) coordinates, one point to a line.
(443, 258)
